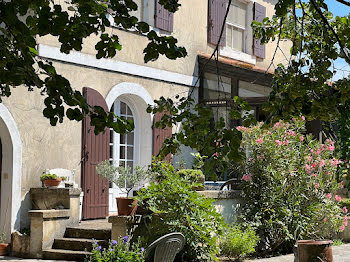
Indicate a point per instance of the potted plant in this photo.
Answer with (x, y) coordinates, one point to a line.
(51, 180)
(3, 246)
(126, 179)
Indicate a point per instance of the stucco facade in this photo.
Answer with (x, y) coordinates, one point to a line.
(31, 145)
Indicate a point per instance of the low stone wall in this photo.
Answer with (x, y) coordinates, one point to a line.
(57, 198)
(123, 225)
(225, 202)
(45, 226)
(52, 211)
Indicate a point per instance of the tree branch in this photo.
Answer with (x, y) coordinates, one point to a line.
(343, 2)
(346, 55)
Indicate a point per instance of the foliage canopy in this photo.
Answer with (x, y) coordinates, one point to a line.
(23, 21)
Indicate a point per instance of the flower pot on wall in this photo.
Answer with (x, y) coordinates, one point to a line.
(52, 182)
(3, 249)
(315, 250)
(126, 206)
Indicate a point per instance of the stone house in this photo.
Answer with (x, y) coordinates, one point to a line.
(126, 85)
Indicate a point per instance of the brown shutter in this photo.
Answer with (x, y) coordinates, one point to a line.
(163, 18)
(259, 15)
(216, 15)
(159, 135)
(95, 149)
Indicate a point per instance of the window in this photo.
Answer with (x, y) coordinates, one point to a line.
(218, 95)
(122, 146)
(236, 26)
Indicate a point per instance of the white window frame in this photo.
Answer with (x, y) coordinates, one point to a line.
(245, 55)
(116, 136)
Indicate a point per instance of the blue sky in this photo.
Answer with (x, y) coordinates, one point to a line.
(341, 10)
(337, 8)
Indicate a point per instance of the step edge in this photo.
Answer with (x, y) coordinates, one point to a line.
(60, 251)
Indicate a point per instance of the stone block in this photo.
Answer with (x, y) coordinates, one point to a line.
(45, 226)
(20, 244)
(123, 225)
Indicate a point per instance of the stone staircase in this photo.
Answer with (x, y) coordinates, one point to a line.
(77, 243)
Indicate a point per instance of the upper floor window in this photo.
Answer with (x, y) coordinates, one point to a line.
(153, 13)
(236, 26)
(237, 40)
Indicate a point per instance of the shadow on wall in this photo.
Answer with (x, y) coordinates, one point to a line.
(26, 205)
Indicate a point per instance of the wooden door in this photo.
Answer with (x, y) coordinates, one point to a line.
(159, 135)
(95, 149)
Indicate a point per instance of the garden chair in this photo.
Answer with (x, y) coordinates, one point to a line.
(231, 184)
(166, 247)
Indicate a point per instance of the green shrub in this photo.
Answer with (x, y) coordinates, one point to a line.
(338, 242)
(289, 186)
(194, 175)
(176, 207)
(118, 250)
(238, 243)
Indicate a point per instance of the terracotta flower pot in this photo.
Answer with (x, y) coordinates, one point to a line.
(315, 250)
(3, 249)
(52, 182)
(126, 206)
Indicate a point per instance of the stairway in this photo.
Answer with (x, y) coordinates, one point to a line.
(77, 243)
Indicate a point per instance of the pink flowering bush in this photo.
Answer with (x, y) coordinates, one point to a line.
(289, 186)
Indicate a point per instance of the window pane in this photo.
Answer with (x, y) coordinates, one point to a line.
(229, 36)
(129, 111)
(231, 15)
(240, 13)
(122, 163)
(237, 13)
(130, 153)
(237, 39)
(111, 132)
(214, 91)
(131, 164)
(130, 138)
(122, 152)
(122, 108)
(122, 138)
(111, 151)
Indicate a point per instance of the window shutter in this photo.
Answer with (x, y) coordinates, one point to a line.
(159, 135)
(95, 149)
(259, 15)
(216, 15)
(163, 18)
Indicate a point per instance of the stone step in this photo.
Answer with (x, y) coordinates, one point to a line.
(60, 254)
(87, 233)
(81, 244)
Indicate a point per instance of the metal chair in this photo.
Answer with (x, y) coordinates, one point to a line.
(231, 184)
(166, 247)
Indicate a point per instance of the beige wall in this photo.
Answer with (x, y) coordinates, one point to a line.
(190, 28)
(47, 147)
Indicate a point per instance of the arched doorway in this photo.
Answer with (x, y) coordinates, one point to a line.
(10, 173)
(130, 101)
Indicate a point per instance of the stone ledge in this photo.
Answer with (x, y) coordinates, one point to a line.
(221, 194)
(52, 213)
(124, 219)
(58, 191)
